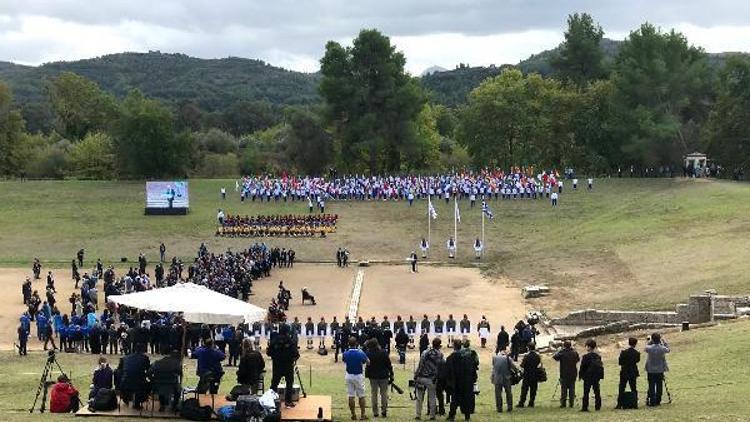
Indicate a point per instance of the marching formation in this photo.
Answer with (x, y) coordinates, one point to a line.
(514, 183)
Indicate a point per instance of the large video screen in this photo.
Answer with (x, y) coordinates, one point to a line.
(172, 194)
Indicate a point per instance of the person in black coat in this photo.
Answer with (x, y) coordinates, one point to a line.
(424, 343)
(132, 375)
(530, 364)
(461, 373)
(251, 366)
(503, 340)
(568, 359)
(402, 342)
(592, 372)
(284, 353)
(628, 361)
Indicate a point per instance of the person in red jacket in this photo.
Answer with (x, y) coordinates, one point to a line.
(63, 397)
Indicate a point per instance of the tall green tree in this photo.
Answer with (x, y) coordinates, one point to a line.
(513, 119)
(727, 130)
(372, 103)
(662, 88)
(581, 59)
(11, 135)
(80, 105)
(307, 144)
(93, 157)
(145, 141)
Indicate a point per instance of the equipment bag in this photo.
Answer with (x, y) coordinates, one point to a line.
(105, 400)
(629, 400)
(238, 390)
(541, 374)
(248, 407)
(193, 411)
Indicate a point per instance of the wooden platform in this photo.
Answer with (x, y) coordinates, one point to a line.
(305, 410)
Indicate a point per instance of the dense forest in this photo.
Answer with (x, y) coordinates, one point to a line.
(591, 103)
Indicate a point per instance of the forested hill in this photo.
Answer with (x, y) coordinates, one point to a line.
(213, 83)
(451, 87)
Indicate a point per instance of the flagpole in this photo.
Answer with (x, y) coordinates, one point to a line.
(429, 224)
(455, 223)
(483, 244)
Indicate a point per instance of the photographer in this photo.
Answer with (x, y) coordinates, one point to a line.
(284, 353)
(568, 359)
(656, 366)
(380, 373)
(425, 377)
(503, 369)
(63, 397)
(461, 368)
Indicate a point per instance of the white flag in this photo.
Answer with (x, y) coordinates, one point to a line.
(458, 213)
(431, 209)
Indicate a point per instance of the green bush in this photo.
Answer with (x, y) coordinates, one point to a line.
(219, 165)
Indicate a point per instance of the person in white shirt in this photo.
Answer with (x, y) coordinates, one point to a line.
(424, 246)
(478, 247)
(591, 183)
(575, 184)
(220, 217)
(223, 193)
(554, 199)
(451, 245)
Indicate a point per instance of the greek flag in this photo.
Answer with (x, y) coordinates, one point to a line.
(431, 209)
(487, 211)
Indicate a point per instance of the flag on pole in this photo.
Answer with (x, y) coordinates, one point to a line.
(431, 209)
(458, 213)
(487, 211)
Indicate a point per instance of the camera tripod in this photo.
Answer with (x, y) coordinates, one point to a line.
(45, 382)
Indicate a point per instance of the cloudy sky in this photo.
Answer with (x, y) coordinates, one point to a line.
(292, 34)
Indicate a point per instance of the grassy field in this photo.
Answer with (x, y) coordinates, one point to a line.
(632, 243)
(709, 370)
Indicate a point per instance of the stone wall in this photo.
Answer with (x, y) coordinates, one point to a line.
(600, 317)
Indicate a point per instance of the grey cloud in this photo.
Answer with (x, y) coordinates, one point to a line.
(302, 27)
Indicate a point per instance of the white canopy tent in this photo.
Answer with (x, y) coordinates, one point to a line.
(197, 304)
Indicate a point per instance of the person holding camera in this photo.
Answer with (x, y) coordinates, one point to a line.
(628, 362)
(380, 373)
(656, 366)
(568, 359)
(425, 378)
(592, 372)
(284, 354)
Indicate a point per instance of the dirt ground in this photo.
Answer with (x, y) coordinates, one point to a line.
(387, 290)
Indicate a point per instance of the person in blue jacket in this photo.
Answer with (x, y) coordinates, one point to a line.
(209, 365)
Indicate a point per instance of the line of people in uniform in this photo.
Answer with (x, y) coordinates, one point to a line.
(276, 225)
(513, 183)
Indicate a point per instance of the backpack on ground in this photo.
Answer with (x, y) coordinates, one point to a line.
(248, 406)
(629, 400)
(105, 400)
(238, 390)
(193, 411)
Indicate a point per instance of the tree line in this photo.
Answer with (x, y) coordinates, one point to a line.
(656, 99)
